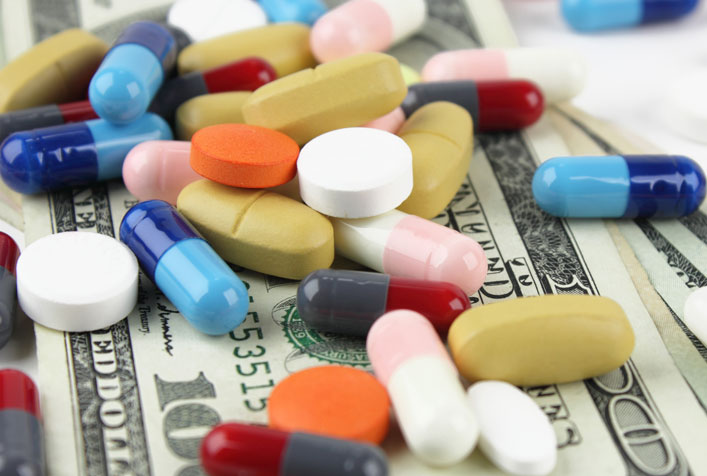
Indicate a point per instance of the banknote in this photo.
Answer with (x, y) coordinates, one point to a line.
(668, 257)
(137, 398)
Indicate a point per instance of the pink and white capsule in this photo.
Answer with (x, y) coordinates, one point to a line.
(433, 412)
(405, 245)
(360, 26)
(158, 169)
(559, 72)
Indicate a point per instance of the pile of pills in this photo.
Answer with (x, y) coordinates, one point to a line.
(349, 160)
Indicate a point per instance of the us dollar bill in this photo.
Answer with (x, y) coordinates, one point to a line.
(667, 259)
(137, 398)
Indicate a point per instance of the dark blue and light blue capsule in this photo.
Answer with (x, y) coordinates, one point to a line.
(184, 266)
(75, 154)
(596, 15)
(132, 71)
(629, 186)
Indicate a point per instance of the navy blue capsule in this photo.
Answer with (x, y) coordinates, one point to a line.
(595, 15)
(73, 154)
(629, 186)
(187, 270)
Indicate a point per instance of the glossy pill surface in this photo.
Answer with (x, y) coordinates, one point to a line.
(185, 268)
(55, 71)
(284, 45)
(595, 15)
(541, 340)
(515, 434)
(409, 358)
(331, 400)
(73, 154)
(619, 186)
(209, 110)
(239, 449)
(349, 302)
(242, 155)
(559, 72)
(408, 246)
(158, 170)
(44, 116)
(302, 11)
(440, 136)
(694, 314)
(9, 252)
(21, 440)
(247, 74)
(132, 72)
(360, 26)
(355, 172)
(344, 93)
(206, 19)
(258, 229)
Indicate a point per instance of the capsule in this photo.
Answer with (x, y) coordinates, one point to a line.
(238, 449)
(360, 26)
(21, 442)
(185, 268)
(629, 186)
(9, 252)
(158, 169)
(209, 110)
(132, 72)
(558, 72)
(73, 154)
(301, 11)
(45, 116)
(595, 15)
(349, 302)
(493, 105)
(434, 415)
(206, 19)
(247, 74)
(408, 246)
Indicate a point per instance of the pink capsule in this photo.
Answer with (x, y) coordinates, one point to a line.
(559, 72)
(360, 26)
(158, 169)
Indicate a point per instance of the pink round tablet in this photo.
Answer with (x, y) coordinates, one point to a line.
(391, 122)
(158, 170)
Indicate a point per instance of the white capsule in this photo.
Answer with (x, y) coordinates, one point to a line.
(515, 434)
(434, 415)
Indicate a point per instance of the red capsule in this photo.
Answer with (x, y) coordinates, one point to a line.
(348, 302)
(9, 252)
(508, 105)
(21, 448)
(18, 392)
(244, 75)
(236, 449)
(77, 111)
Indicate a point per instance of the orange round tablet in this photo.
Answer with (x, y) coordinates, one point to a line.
(335, 401)
(244, 156)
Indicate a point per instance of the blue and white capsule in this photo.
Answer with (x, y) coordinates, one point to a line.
(302, 11)
(596, 15)
(628, 186)
(73, 155)
(184, 266)
(132, 71)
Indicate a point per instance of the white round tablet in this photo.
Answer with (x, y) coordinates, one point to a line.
(77, 281)
(355, 172)
(686, 106)
(695, 314)
(205, 19)
(514, 433)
